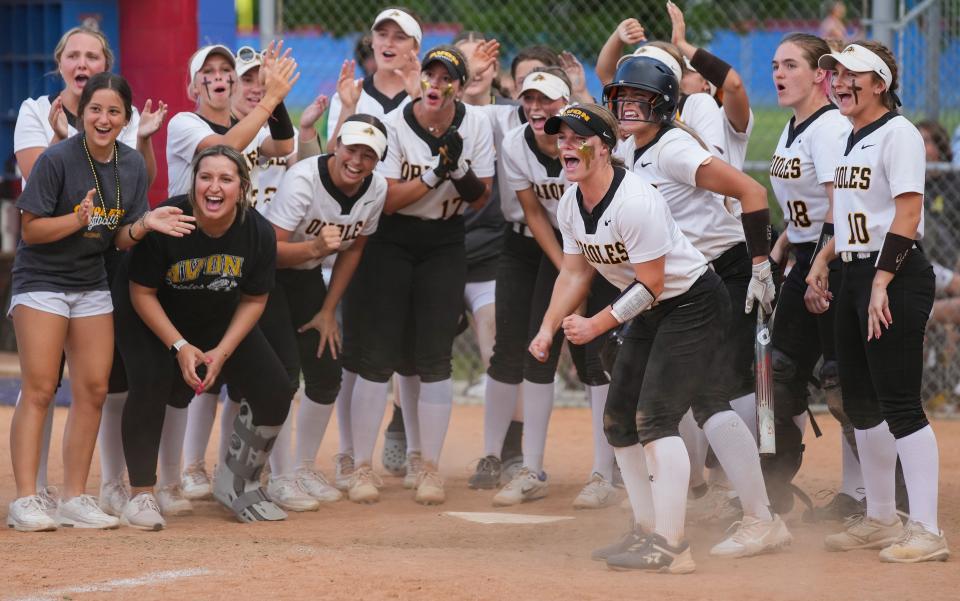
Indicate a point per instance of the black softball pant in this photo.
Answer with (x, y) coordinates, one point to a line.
(660, 373)
(155, 382)
(735, 371)
(880, 379)
(516, 276)
(411, 268)
(298, 296)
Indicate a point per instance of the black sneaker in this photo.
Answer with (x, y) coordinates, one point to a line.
(487, 475)
(630, 538)
(840, 507)
(653, 554)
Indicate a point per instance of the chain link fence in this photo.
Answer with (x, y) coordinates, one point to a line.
(925, 38)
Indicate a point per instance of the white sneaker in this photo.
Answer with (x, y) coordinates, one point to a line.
(195, 483)
(114, 496)
(27, 514)
(414, 466)
(286, 492)
(753, 537)
(83, 512)
(863, 532)
(49, 499)
(525, 486)
(344, 467)
(599, 492)
(917, 544)
(315, 484)
(143, 512)
(364, 485)
(171, 502)
(430, 488)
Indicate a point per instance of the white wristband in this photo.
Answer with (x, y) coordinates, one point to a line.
(461, 171)
(431, 179)
(634, 300)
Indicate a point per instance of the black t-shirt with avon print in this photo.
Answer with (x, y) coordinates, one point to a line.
(199, 279)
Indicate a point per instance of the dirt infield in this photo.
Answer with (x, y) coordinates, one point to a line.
(400, 550)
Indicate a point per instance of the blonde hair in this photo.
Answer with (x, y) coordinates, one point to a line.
(62, 44)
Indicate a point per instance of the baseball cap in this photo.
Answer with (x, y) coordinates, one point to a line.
(548, 84)
(657, 54)
(247, 58)
(454, 64)
(583, 122)
(404, 21)
(200, 56)
(858, 59)
(358, 132)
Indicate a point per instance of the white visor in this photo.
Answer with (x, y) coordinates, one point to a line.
(403, 20)
(200, 56)
(657, 54)
(713, 88)
(358, 132)
(548, 84)
(858, 59)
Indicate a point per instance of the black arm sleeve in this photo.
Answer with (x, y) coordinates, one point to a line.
(470, 187)
(281, 127)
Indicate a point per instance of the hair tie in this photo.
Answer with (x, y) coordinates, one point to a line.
(896, 99)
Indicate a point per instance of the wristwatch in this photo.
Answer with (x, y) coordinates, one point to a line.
(176, 346)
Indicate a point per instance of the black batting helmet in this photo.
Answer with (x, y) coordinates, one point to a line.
(651, 75)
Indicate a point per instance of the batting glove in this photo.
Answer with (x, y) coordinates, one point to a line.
(761, 288)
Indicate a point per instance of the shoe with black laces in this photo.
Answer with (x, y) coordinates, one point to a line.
(838, 509)
(487, 474)
(654, 554)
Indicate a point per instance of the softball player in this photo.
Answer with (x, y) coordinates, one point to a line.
(534, 172)
(84, 195)
(616, 224)
(886, 294)
(801, 174)
(80, 54)
(396, 38)
(693, 183)
(326, 205)
(440, 158)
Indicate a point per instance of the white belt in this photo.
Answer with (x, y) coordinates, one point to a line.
(848, 256)
(521, 228)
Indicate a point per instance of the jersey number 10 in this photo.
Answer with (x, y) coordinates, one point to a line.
(858, 228)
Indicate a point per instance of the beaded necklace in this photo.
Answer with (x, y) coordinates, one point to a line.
(110, 223)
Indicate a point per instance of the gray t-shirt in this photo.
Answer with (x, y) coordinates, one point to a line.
(58, 183)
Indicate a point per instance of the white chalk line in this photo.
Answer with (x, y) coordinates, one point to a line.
(120, 583)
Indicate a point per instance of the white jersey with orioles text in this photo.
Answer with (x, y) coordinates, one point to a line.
(308, 200)
(881, 161)
(805, 159)
(631, 224)
(412, 151)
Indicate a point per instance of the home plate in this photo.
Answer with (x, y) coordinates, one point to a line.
(506, 518)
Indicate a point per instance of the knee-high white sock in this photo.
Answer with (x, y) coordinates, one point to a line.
(636, 479)
(852, 483)
(344, 405)
(736, 451)
(669, 467)
(696, 444)
(499, 403)
(171, 446)
(746, 408)
(409, 390)
(436, 404)
(878, 462)
(366, 414)
(801, 422)
(228, 415)
(537, 406)
(281, 456)
(920, 459)
(112, 462)
(201, 413)
(602, 451)
(312, 420)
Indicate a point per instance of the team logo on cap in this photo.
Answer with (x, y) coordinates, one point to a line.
(445, 55)
(396, 13)
(539, 77)
(575, 112)
(368, 131)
